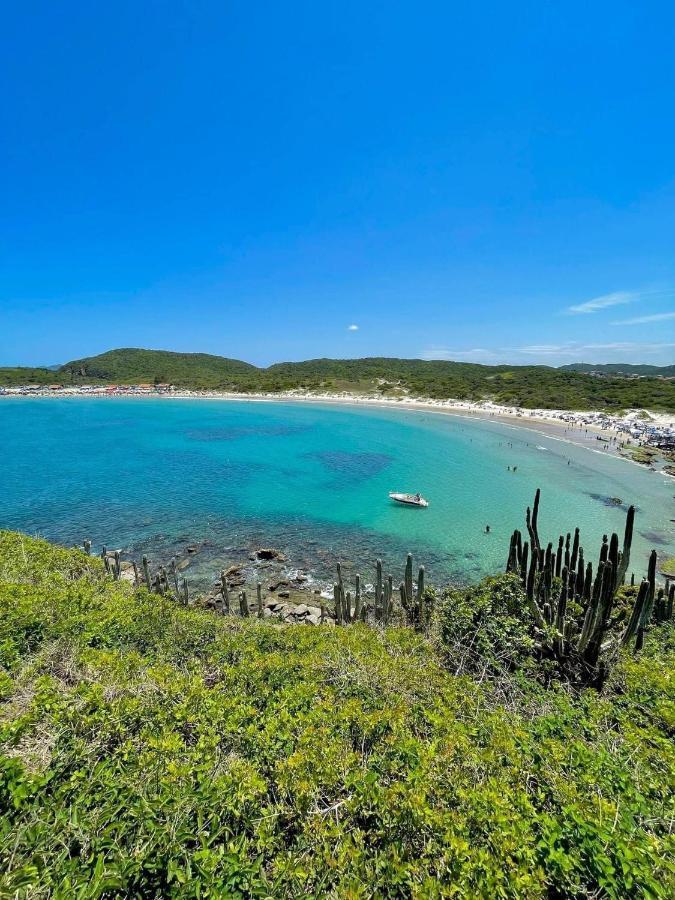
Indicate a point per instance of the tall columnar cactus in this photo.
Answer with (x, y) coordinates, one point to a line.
(556, 582)
(357, 599)
(174, 576)
(116, 565)
(87, 547)
(337, 597)
(243, 604)
(259, 599)
(225, 593)
(146, 573)
(418, 613)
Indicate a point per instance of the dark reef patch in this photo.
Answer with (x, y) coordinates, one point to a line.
(355, 466)
(655, 538)
(235, 434)
(614, 502)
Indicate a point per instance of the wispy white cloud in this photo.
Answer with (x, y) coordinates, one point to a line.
(352, 328)
(618, 298)
(574, 348)
(447, 353)
(642, 320)
(557, 353)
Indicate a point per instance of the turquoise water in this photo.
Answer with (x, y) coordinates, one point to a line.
(157, 475)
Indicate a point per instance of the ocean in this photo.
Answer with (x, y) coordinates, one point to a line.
(157, 476)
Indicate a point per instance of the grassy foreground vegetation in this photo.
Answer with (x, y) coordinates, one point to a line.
(527, 386)
(151, 750)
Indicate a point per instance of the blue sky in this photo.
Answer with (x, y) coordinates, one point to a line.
(476, 181)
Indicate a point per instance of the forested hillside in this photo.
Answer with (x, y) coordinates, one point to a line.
(623, 369)
(131, 366)
(528, 386)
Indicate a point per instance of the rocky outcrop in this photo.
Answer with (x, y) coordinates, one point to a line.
(269, 553)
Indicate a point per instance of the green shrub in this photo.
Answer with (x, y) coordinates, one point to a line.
(148, 750)
(485, 628)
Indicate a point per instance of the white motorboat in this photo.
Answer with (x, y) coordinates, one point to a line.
(408, 499)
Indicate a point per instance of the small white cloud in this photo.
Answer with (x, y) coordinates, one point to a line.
(618, 298)
(352, 328)
(642, 320)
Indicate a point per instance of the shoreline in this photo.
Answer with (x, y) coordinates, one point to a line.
(583, 429)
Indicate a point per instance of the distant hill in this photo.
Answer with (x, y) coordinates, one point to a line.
(622, 369)
(527, 386)
(134, 366)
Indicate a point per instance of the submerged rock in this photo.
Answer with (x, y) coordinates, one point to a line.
(267, 553)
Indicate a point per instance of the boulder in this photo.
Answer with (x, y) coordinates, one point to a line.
(284, 594)
(235, 576)
(275, 585)
(270, 553)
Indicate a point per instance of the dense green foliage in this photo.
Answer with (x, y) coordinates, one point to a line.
(149, 750)
(130, 366)
(622, 369)
(10, 376)
(527, 386)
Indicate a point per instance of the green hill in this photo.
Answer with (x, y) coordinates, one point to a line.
(153, 750)
(622, 369)
(134, 366)
(527, 386)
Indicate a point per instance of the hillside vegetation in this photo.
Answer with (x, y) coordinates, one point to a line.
(13, 375)
(527, 386)
(622, 369)
(156, 366)
(152, 750)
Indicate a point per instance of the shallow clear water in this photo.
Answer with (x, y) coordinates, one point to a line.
(158, 475)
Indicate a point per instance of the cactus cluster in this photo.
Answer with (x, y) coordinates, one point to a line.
(162, 582)
(415, 605)
(573, 607)
(242, 598)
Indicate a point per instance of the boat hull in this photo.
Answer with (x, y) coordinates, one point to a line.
(408, 499)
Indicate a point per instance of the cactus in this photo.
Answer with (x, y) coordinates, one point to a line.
(531, 521)
(174, 575)
(226, 594)
(627, 541)
(582, 646)
(357, 599)
(259, 599)
(243, 604)
(338, 604)
(87, 547)
(185, 593)
(146, 572)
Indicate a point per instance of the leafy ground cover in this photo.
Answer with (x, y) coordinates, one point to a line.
(149, 750)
